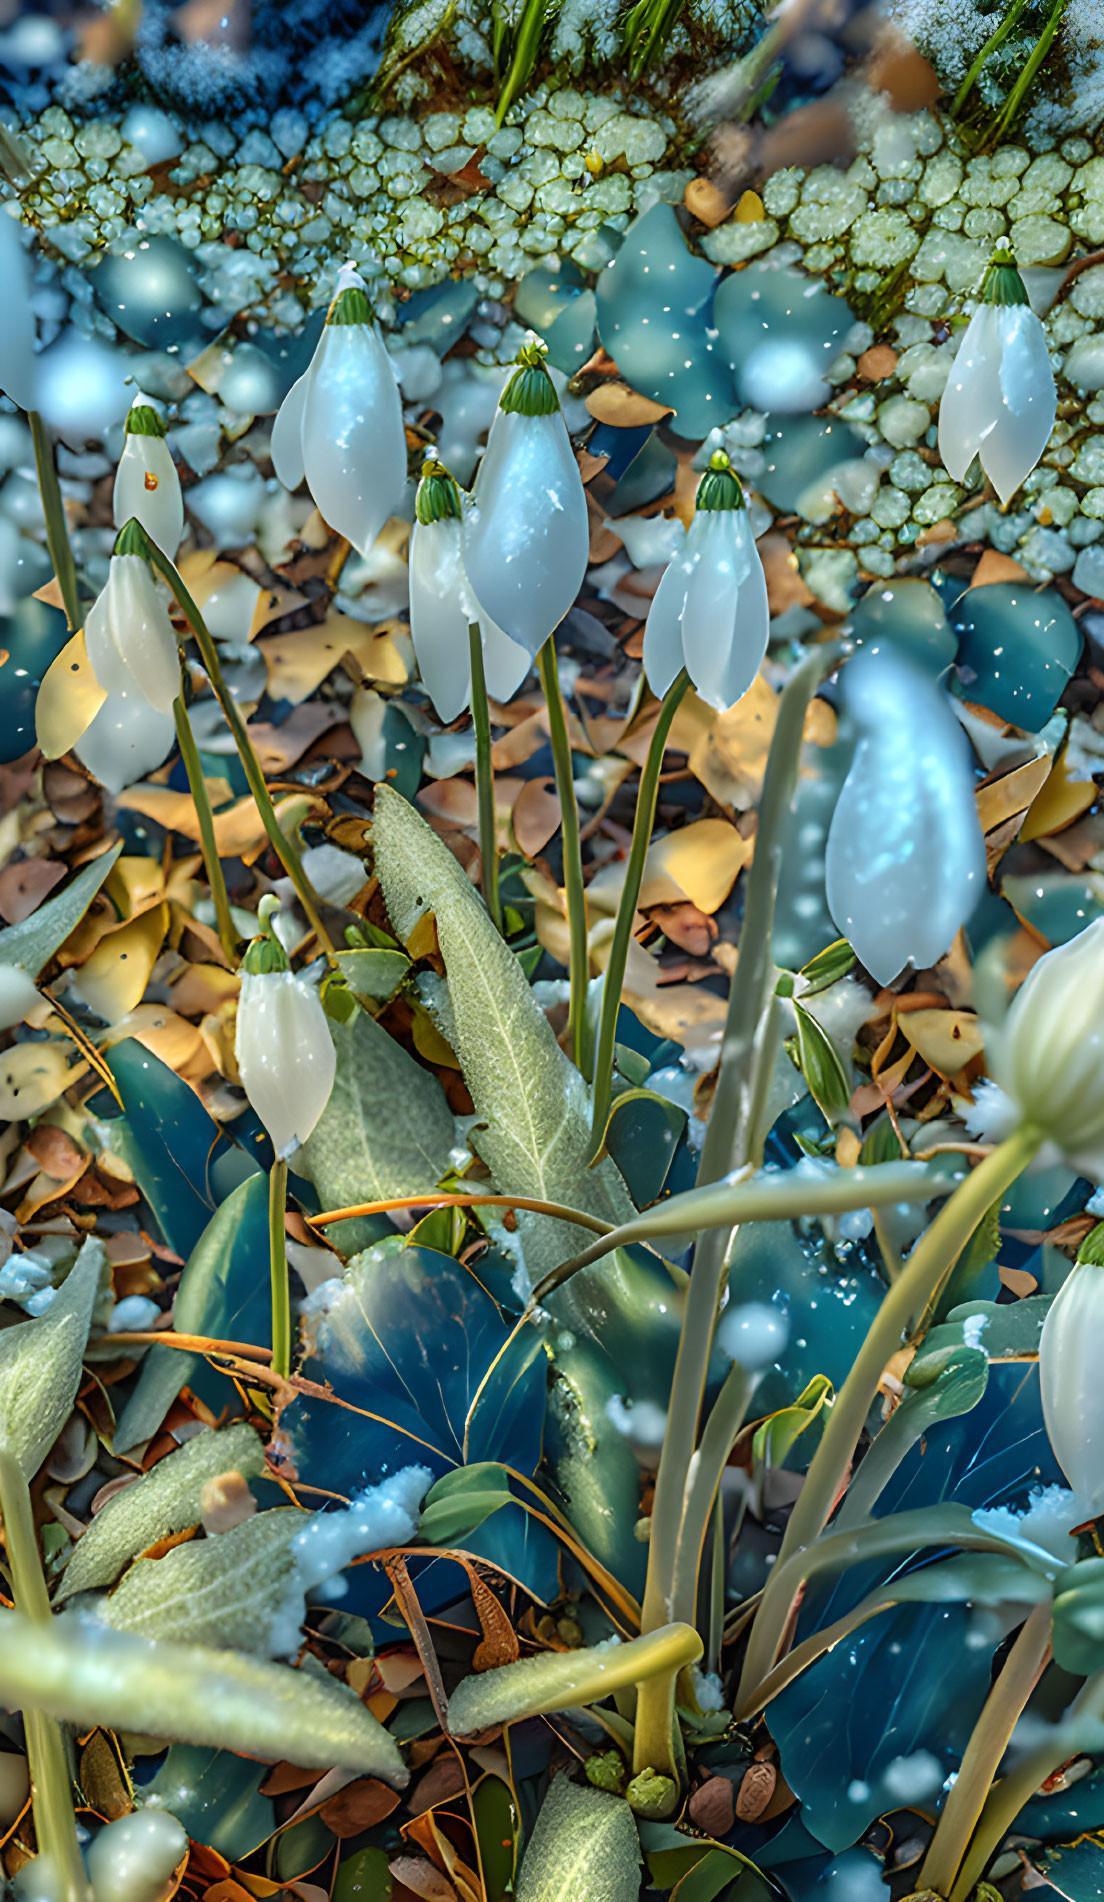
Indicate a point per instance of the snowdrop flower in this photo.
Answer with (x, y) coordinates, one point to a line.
(147, 487)
(131, 646)
(905, 863)
(1000, 400)
(1071, 1347)
(126, 741)
(443, 606)
(18, 368)
(528, 540)
(1048, 1055)
(341, 425)
(709, 613)
(285, 1054)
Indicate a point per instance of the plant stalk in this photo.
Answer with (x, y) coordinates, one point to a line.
(281, 844)
(579, 965)
(982, 1757)
(646, 799)
(931, 1260)
(54, 1819)
(57, 528)
(484, 777)
(1018, 93)
(995, 39)
(277, 1242)
(197, 786)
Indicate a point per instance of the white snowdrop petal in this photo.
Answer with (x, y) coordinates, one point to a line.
(18, 995)
(1070, 1349)
(133, 1859)
(971, 402)
(527, 543)
(1029, 400)
(103, 656)
(127, 739)
(663, 629)
(905, 862)
(727, 619)
(147, 489)
(438, 621)
(1048, 1055)
(286, 444)
(354, 446)
(141, 631)
(505, 662)
(286, 1057)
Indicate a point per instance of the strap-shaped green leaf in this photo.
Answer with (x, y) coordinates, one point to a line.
(563, 1680)
(40, 1363)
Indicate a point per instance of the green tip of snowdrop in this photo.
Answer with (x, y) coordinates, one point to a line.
(710, 612)
(1001, 400)
(147, 486)
(530, 391)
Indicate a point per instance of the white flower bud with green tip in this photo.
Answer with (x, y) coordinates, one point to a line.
(709, 613)
(147, 487)
(527, 542)
(136, 1858)
(341, 425)
(285, 1054)
(1000, 400)
(1047, 1057)
(1071, 1351)
(443, 605)
(132, 648)
(905, 862)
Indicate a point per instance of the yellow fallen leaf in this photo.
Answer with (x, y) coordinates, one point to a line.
(728, 751)
(700, 862)
(1013, 793)
(239, 830)
(68, 700)
(32, 1076)
(134, 884)
(623, 407)
(946, 1040)
(160, 1030)
(113, 980)
(299, 662)
(1058, 803)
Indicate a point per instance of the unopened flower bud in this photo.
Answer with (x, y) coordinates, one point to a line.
(1048, 1055)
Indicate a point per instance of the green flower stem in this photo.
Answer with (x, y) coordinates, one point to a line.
(646, 799)
(1008, 1797)
(228, 937)
(657, 1739)
(281, 844)
(771, 1197)
(982, 1757)
(277, 1243)
(931, 1260)
(992, 43)
(1018, 93)
(702, 1490)
(484, 777)
(57, 528)
(579, 967)
(55, 1822)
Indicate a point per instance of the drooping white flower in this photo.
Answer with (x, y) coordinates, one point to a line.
(147, 487)
(127, 740)
(18, 372)
(443, 605)
(131, 646)
(1071, 1349)
(285, 1054)
(341, 425)
(528, 539)
(905, 863)
(1048, 1054)
(709, 613)
(1000, 399)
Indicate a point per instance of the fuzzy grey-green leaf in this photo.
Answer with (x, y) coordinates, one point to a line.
(86, 1675)
(32, 943)
(163, 1501)
(40, 1363)
(532, 1104)
(584, 1843)
(562, 1680)
(225, 1591)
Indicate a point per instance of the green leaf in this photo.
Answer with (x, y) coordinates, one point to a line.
(584, 1845)
(163, 1501)
(495, 1822)
(41, 1360)
(532, 1104)
(1002, 1330)
(829, 965)
(939, 1384)
(1079, 1618)
(776, 1435)
(34, 942)
(363, 1877)
(461, 1500)
(375, 975)
(386, 1130)
(191, 1694)
(820, 1065)
(216, 1796)
(565, 1680)
(226, 1591)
